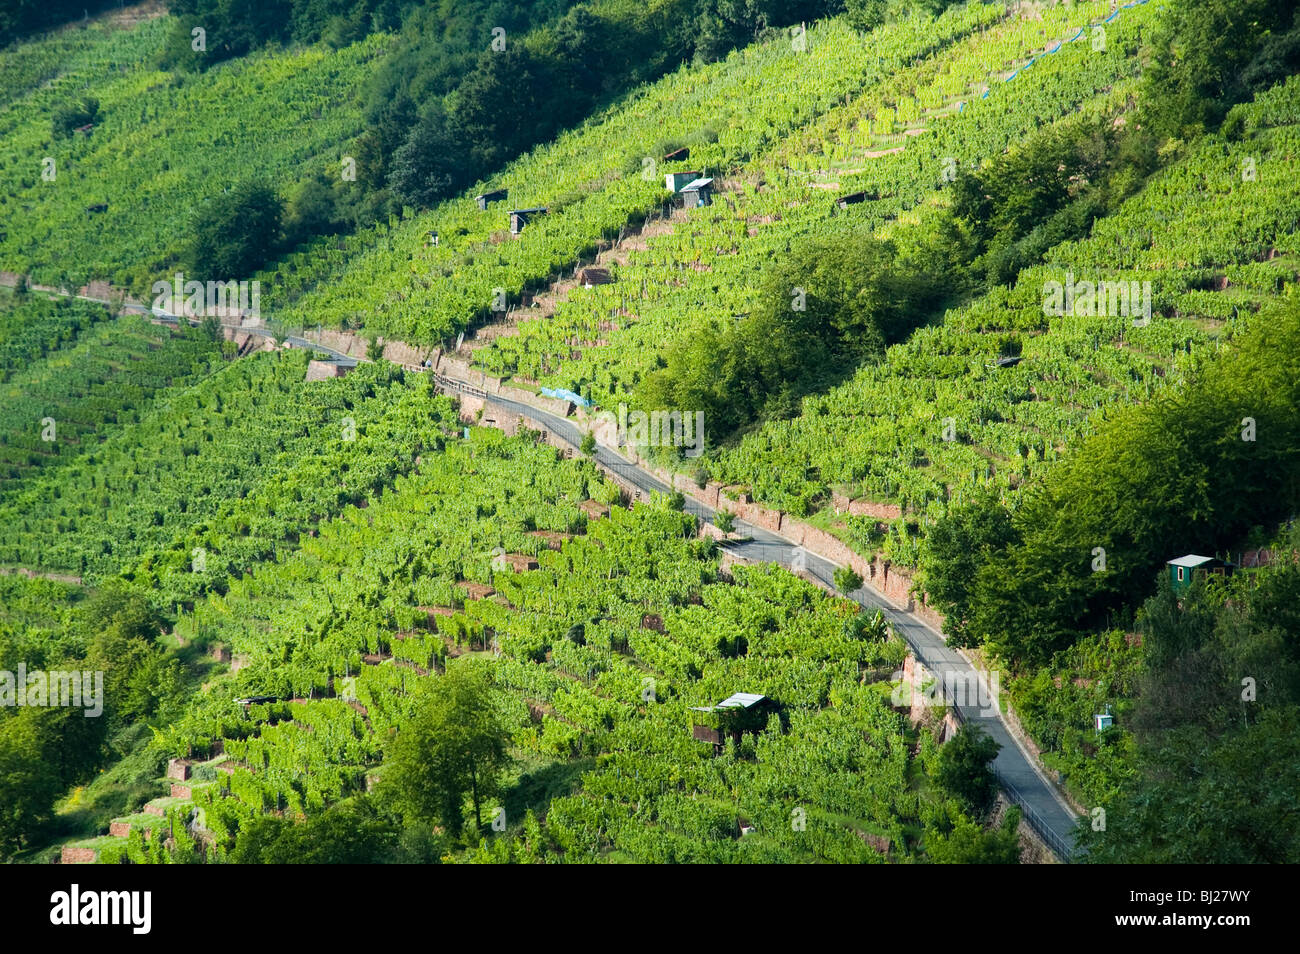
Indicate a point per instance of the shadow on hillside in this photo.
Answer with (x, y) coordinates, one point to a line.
(535, 790)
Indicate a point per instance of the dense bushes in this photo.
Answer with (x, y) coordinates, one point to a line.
(1210, 54)
(46, 749)
(20, 17)
(1192, 471)
(1213, 720)
(837, 299)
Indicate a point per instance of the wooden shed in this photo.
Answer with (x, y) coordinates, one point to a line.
(697, 193)
(521, 217)
(594, 276)
(674, 182)
(496, 195)
(852, 198)
(1185, 570)
(678, 155)
(739, 713)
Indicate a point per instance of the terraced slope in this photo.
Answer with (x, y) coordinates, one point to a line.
(162, 146)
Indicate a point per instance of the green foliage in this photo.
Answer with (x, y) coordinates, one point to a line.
(72, 116)
(453, 745)
(44, 750)
(350, 832)
(835, 300)
(1209, 54)
(27, 785)
(1047, 191)
(1179, 475)
(968, 844)
(865, 15)
(21, 17)
(965, 769)
(1207, 799)
(233, 468)
(588, 445)
(954, 550)
(847, 580)
(234, 235)
(725, 521)
(555, 67)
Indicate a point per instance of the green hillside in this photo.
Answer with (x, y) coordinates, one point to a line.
(342, 617)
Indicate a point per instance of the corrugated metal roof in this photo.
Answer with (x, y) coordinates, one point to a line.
(696, 184)
(741, 700)
(1190, 560)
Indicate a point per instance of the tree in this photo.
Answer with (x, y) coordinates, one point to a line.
(1208, 800)
(1209, 54)
(968, 844)
(312, 211)
(235, 234)
(965, 771)
(835, 301)
(958, 544)
(865, 15)
(350, 832)
(846, 580)
(725, 521)
(430, 165)
(28, 786)
(71, 116)
(588, 445)
(454, 743)
(1172, 476)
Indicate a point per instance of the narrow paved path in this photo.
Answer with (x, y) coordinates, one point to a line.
(1043, 809)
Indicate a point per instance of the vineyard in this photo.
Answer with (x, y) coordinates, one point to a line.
(342, 632)
(313, 586)
(882, 434)
(603, 340)
(58, 405)
(595, 183)
(219, 475)
(161, 147)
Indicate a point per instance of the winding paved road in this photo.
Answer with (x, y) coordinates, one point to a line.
(1043, 808)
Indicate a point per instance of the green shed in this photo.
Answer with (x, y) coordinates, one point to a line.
(1186, 569)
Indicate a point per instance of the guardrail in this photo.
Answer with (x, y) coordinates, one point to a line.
(1055, 842)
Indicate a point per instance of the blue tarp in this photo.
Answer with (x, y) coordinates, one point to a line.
(566, 395)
